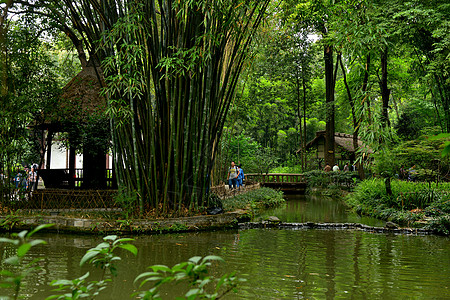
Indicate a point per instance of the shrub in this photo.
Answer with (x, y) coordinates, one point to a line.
(440, 225)
(427, 199)
(260, 198)
(331, 180)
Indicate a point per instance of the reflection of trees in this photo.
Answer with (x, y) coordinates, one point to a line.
(277, 263)
(330, 264)
(356, 273)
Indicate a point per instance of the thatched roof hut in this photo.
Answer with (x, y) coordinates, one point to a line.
(344, 149)
(82, 97)
(80, 100)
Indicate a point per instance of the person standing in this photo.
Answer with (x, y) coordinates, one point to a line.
(240, 178)
(25, 179)
(233, 173)
(346, 168)
(336, 168)
(327, 168)
(32, 178)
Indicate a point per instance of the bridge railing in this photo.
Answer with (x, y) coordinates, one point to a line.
(275, 178)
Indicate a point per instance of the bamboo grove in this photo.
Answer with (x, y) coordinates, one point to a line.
(171, 68)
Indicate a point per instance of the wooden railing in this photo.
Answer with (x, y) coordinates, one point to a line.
(275, 178)
(70, 199)
(60, 178)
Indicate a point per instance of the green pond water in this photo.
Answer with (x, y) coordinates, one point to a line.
(277, 264)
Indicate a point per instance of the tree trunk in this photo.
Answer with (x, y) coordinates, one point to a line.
(356, 122)
(329, 95)
(366, 99)
(302, 141)
(385, 92)
(387, 182)
(3, 49)
(304, 116)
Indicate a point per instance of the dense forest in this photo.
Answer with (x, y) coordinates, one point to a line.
(192, 85)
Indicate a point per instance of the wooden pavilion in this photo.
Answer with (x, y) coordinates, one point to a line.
(80, 100)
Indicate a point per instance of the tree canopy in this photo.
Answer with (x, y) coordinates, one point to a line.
(271, 73)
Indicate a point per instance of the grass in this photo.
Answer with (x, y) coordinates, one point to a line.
(411, 203)
(287, 170)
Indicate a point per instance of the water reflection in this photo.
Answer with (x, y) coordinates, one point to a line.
(319, 264)
(278, 264)
(301, 208)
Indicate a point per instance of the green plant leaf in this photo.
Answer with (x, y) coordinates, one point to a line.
(195, 259)
(213, 257)
(131, 248)
(88, 256)
(23, 249)
(145, 274)
(37, 242)
(9, 241)
(123, 240)
(110, 238)
(40, 227)
(163, 268)
(13, 260)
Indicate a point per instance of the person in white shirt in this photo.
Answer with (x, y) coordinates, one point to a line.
(336, 168)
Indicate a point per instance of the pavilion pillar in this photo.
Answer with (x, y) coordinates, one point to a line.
(72, 157)
(49, 149)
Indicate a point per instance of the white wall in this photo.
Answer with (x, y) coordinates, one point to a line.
(60, 157)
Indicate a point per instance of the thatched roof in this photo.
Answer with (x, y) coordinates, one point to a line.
(81, 97)
(343, 140)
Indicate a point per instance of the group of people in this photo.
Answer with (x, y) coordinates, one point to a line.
(26, 178)
(235, 177)
(336, 168)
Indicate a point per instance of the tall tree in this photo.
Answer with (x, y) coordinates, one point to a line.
(169, 99)
(315, 14)
(424, 25)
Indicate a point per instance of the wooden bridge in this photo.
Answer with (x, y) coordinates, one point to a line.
(293, 183)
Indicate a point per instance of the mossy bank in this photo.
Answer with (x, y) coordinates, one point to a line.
(236, 209)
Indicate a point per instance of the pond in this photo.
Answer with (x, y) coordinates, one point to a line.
(277, 264)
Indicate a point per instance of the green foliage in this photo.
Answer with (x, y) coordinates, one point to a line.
(330, 181)
(424, 153)
(127, 201)
(263, 160)
(386, 165)
(409, 202)
(440, 224)
(14, 269)
(169, 100)
(194, 272)
(409, 125)
(9, 221)
(28, 93)
(260, 198)
(78, 288)
(102, 256)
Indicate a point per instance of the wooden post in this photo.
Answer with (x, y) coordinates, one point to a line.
(72, 157)
(49, 149)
